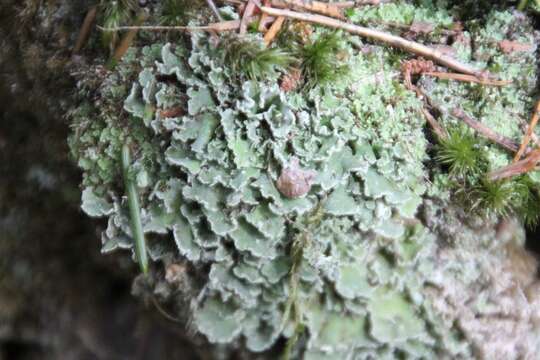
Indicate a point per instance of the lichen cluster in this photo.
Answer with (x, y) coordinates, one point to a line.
(346, 270)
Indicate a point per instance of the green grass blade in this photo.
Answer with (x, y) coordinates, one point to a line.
(134, 212)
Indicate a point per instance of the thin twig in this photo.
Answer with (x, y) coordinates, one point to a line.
(517, 168)
(485, 131)
(328, 9)
(262, 21)
(220, 26)
(377, 35)
(274, 29)
(418, 66)
(467, 78)
(351, 4)
(248, 12)
(530, 132)
(214, 9)
(437, 128)
(85, 29)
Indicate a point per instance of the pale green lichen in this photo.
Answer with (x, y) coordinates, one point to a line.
(363, 281)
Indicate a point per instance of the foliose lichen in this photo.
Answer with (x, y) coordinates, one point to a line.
(210, 149)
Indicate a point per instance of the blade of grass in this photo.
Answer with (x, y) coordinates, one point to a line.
(134, 211)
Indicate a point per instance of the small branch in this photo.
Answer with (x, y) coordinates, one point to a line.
(220, 26)
(419, 66)
(248, 12)
(274, 29)
(328, 9)
(467, 78)
(380, 36)
(437, 128)
(351, 4)
(530, 132)
(517, 168)
(262, 21)
(85, 29)
(214, 9)
(485, 131)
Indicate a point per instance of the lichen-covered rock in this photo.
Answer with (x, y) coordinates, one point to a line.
(298, 211)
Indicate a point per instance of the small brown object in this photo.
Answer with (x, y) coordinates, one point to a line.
(508, 46)
(415, 67)
(293, 181)
(175, 273)
(171, 112)
(291, 80)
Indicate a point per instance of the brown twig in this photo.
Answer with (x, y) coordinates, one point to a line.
(517, 168)
(437, 128)
(485, 131)
(214, 9)
(419, 66)
(377, 35)
(351, 4)
(328, 9)
(220, 26)
(274, 29)
(530, 132)
(248, 12)
(85, 29)
(467, 78)
(262, 21)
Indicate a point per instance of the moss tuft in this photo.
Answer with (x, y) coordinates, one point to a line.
(250, 59)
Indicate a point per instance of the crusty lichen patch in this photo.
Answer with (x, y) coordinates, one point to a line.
(210, 150)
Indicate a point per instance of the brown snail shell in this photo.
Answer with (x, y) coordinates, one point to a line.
(295, 182)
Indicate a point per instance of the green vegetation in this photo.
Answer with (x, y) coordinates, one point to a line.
(114, 13)
(461, 153)
(134, 210)
(321, 63)
(249, 57)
